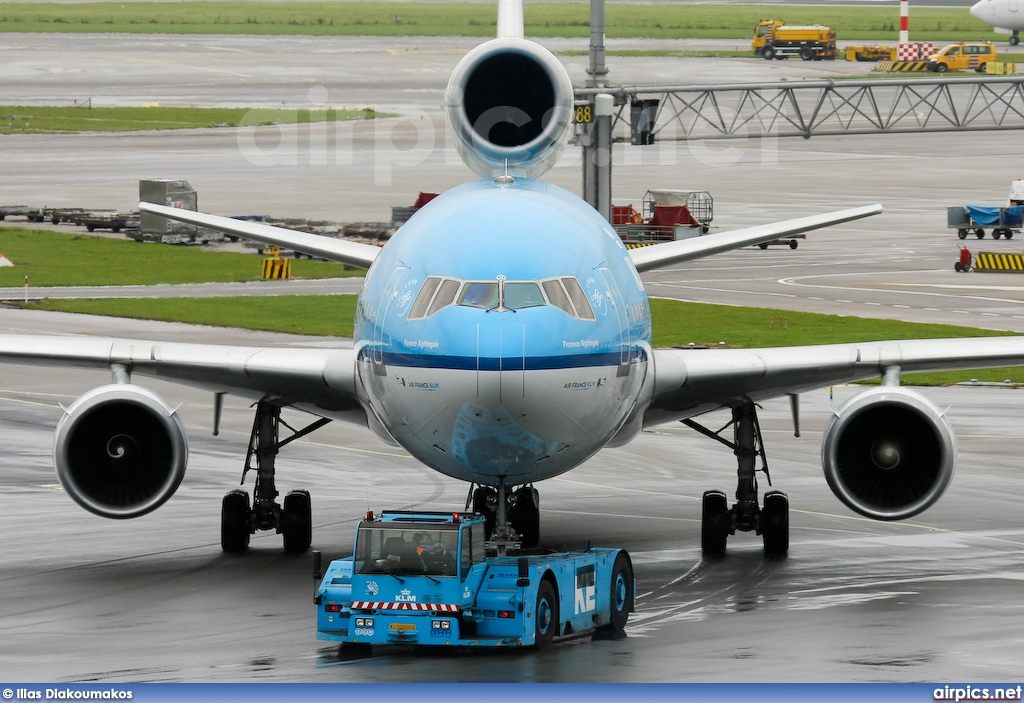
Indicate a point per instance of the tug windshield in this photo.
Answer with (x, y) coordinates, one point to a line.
(407, 549)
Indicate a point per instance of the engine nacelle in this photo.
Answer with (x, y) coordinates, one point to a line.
(120, 451)
(888, 453)
(509, 103)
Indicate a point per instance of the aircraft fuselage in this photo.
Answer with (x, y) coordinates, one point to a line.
(503, 333)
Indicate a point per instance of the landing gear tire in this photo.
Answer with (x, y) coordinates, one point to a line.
(763, 245)
(234, 521)
(1014, 40)
(714, 523)
(545, 616)
(485, 502)
(621, 595)
(524, 515)
(297, 522)
(792, 244)
(775, 523)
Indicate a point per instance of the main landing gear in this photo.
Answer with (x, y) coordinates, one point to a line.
(511, 517)
(718, 520)
(293, 520)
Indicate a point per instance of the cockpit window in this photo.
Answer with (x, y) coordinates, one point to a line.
(419, 306)
(556, 294)
(517, 295)
(480, 294)
(578, 298)
(564, 293)
(445, 295)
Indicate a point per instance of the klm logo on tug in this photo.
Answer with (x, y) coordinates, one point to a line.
(405, 597)
(586, 589)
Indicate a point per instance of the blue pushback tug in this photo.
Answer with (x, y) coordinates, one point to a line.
(427, 578)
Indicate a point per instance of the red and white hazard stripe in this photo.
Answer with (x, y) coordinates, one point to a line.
(382, 605)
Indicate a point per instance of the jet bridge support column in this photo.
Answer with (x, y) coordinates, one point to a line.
(597, 156)
(596, 138)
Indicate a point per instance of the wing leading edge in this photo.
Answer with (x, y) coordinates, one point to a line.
(318, 380)
(669, 253)
(690, 382)
(351, 253)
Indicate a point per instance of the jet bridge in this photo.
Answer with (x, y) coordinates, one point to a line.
(643, 115)
(812, 108)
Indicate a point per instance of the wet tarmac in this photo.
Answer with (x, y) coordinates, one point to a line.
(155, 599)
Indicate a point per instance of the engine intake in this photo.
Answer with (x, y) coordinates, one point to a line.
(509, 103)
(888, 453)
(120, 451)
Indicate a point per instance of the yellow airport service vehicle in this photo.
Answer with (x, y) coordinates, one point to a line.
(776, 40)
(870, 53)
(962, 57)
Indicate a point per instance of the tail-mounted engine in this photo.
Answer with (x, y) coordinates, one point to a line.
(888, 453)
(509, 103)
(120, 451)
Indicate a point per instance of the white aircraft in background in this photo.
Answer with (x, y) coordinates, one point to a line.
(1006, 16)
(503, 337)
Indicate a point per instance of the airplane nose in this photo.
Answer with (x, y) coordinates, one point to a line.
(978, 11)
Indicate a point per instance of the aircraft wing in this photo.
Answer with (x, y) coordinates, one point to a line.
(319, 380)
(691, 381)
(659, 255)
(352, 253)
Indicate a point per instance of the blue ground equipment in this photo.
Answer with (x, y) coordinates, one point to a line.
(425, 578)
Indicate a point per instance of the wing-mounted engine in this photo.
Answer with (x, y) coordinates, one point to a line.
(120, 451)
(509, 104)
(888, 453)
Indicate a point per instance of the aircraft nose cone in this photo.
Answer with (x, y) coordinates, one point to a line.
(978, 11)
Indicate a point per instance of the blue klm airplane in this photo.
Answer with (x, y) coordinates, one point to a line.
(499, 367)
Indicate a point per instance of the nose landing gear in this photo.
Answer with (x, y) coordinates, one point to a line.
(511, 516)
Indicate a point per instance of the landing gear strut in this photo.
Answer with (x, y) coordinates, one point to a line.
(517, 515)
(718, 520)
(293, 520)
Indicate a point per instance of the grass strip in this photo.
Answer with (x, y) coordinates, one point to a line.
(321, 315)
(675, 324)
(15, 119)
(568, 19)
(665, 53)
(65, 259)
(679, 323)
(1007, 57)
